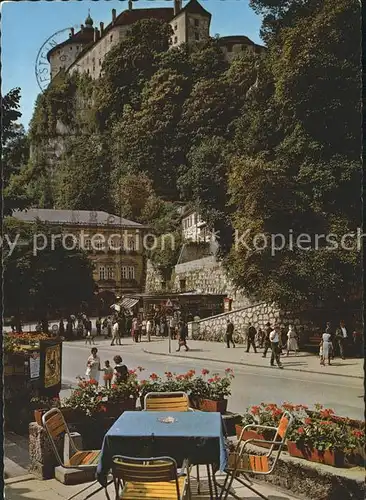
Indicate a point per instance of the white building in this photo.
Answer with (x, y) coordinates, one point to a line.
(194, 229)
(84, 51)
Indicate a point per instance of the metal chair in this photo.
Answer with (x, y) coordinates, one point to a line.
(169, 401)
(243, 463)
(166, 401)
(55, 425)
(153, 478)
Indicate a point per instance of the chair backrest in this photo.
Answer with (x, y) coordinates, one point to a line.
(166, 401)
(284, 426)
(56, 427)
(144, 470)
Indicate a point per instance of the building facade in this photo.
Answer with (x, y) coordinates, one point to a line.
(85, 50)
(113, 244)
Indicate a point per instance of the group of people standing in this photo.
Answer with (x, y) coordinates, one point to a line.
(110, 375)
(337, 340)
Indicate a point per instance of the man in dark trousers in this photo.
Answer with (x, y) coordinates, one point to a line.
(267, 342)
(183, 334)
(251, 333)
(229, 333)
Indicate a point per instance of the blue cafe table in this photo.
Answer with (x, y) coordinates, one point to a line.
(196, 436)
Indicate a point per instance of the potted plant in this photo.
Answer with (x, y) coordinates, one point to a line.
(84, 401)
(171, 382)
(210, 394)
(120, 397)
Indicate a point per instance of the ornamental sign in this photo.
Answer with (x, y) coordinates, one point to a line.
(42, 66)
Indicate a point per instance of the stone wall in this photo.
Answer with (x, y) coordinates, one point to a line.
(214, 328)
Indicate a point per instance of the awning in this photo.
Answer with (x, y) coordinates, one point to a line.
(128, 303)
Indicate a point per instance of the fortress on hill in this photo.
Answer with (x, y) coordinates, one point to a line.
(84, 51)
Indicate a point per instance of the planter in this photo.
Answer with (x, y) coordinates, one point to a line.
(116, 409)
(72, 415)
(254, 435)
(334, 458)
(38, 414)
(212, 406)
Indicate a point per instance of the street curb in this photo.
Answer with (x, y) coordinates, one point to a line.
(249, 364)
(19, 479)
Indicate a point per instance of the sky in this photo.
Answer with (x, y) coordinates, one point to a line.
(26, 26)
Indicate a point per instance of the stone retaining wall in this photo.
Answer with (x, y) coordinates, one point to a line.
(312, 481)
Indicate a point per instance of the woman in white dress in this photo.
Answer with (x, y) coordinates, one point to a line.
(93, 365)
(325, 348)
(291, 340)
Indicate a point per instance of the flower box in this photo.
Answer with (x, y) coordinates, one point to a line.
(334, 458)
(212, 406)
(116, 409)
(249, 434)
(72, 415)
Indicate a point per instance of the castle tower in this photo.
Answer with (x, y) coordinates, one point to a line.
(190, 23)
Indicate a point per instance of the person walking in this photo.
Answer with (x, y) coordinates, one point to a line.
(341, 338)
(61, 328)
(88, 327)
(357, 342)
(148, 329)
(120, 372)
(260, 338)
(183, 333)
(251, 333)
(115, 334)
(109, 326)
(93, 365)
(98, 326)
(229, 333)
(266, 341)
(291, 340)
(326, 348)
(274, 338)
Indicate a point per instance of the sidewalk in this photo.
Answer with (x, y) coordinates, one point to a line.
(34, 489)
(216, 351)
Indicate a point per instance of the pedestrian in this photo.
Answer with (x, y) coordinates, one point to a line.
(328, 329)
(291, 340)
(357, 342)
(73, 320)
(88, 327)
(135, 330)
(326, 348)
(108, 374)
(143, 327)
(93, 365)
(148, 329)
(267, 342)
(341, 338)
(80, 329)
(115, 334)
(260, 338)
(61, 328)
(183, 333)
(229, 333)
(274, 338)
(69, 330)
(98, 326)
(120, 372)
(109, 326)
(251, 333)
(283, 338)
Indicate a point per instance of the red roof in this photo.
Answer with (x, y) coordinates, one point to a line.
(131, 16)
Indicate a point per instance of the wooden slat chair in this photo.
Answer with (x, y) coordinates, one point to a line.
(166, 401)
(55, 425)
(148, 478)
(169, 401)
(244, 463)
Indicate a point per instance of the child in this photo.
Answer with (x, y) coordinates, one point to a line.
(108, 374)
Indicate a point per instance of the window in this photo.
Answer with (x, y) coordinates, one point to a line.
(131, 273)
(131, 244)
(98, 242)
(110, 272)
(175, 39)
(124, 272)
(87, 244)
(101, 272)
(197, 36)
(182, 285)
(111, 38)
(196, 22)
(71, 48)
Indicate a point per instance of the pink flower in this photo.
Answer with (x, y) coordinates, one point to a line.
(205, 371)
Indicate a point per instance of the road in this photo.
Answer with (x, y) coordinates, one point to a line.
(251, 385)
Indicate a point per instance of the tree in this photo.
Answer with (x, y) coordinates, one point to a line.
(83, 178)
(37, 282)
(296, 166)
(15, 150)
(131, 193)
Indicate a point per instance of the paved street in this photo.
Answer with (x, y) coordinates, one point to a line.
(252, 384)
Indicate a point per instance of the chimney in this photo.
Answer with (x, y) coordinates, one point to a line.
(72, 31)
(129, 4)
(101, 29)
(113, 16)
(82, 27)
(96, 34)
(177, 6)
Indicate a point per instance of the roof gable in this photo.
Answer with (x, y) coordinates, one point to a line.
(194, 7)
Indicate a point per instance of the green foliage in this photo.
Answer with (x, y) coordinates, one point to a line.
(38, 281)
(131, 193)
